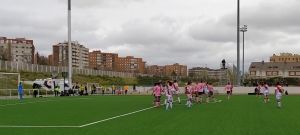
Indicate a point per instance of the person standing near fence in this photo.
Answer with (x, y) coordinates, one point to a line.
(56, 90)
(126, 89)
(20, 90)
(103, 90)
(113, 89)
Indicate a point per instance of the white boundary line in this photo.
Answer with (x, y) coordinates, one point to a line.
(39, 102)
(39, 126)
(92, 123)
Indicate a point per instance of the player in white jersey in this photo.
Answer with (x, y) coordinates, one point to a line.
(166, 89)
(206, 91)
(265, 88)
(188, 92)
(278, 92)
(175, 85)
(169, 96)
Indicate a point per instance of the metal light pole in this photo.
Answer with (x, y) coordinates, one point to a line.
(243, 29)
(238, 44)
(69, 45)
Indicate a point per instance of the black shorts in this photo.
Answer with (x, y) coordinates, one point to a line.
(228, 92)
(157, 97)
(258, 91)
(200, 93)
(211, 93)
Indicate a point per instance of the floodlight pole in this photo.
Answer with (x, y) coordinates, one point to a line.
(238, 44)
(69, 45)
(243, 29)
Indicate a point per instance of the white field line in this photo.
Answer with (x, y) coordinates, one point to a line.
(39, 126)
(39, 102)
(92, 123)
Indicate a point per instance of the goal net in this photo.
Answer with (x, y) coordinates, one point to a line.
(9, 83)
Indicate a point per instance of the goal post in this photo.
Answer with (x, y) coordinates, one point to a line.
(6, 84)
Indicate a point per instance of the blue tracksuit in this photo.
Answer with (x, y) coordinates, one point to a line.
(20, 90)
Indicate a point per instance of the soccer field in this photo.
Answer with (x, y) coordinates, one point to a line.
(134, 115)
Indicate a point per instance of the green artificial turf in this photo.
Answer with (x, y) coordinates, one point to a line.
(240, 115)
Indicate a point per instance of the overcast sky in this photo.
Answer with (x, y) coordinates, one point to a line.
(162, 32)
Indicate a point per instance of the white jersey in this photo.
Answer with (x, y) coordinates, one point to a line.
(278, 90)
(176, 86)
(168, 90)
(265, 88)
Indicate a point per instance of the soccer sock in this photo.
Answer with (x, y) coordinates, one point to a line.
(167, 105)
(178, 99)
(265, 100)
(214, 99)
(156, 104)
(279, 104)
(268, 99)
(171, 105)
(189, 103)
(200, 99)
(165, 101)
(197, 99)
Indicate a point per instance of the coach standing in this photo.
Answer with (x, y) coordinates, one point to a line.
(20, 90)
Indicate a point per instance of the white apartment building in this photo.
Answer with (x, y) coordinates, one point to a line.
(80, 55)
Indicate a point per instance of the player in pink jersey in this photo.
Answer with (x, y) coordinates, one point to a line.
(195, 92)
(258, 88)
(188, 92)
(228, 90)
(175, 85)
(200, 91)
(157, 94)
(211, 91)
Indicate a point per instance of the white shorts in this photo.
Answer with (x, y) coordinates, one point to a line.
(169, 98)
(175, 92)
(189, 95)
(278, 96)
(266, 93)
(206, 91)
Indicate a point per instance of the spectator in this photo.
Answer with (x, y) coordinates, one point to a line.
(113, 90)
(134, 87)
(93, 88)
(126, 89)
(103, 89)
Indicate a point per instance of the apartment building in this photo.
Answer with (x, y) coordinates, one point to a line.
(285, 57)
(131, 64)
(156, 70)
(50, 60)
(179, 70)
(201, 72)
(103, 61)
(17, 49)
(274, 69)
(80, 55)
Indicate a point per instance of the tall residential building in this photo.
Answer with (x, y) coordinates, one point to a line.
(50, 60)
(201, 72)
(131, 64)
(156, 70)
(179, 70)
(285, 57)
(103, 61)
(17, 49)
(80, 55)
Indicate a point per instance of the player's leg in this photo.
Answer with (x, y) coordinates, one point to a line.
(265, 97)
(200, 97)
(228, 94)
(268, 98)
(178, 97)
(213, 96)
(278, 98)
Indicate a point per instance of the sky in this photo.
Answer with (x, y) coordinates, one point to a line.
(196, 33)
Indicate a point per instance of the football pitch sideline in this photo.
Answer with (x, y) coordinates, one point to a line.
(134, 114)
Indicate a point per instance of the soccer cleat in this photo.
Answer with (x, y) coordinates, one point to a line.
(168, 109)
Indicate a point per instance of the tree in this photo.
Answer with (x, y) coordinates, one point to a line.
(27, 57)
(3, 53)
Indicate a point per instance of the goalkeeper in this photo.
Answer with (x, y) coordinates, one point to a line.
(20, 90)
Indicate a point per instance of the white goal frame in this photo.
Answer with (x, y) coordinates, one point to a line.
(19, 80)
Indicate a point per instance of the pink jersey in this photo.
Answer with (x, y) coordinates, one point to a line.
(195, 88)
(211, 88)
(228, 87)
(200, 87)
(157, 91)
